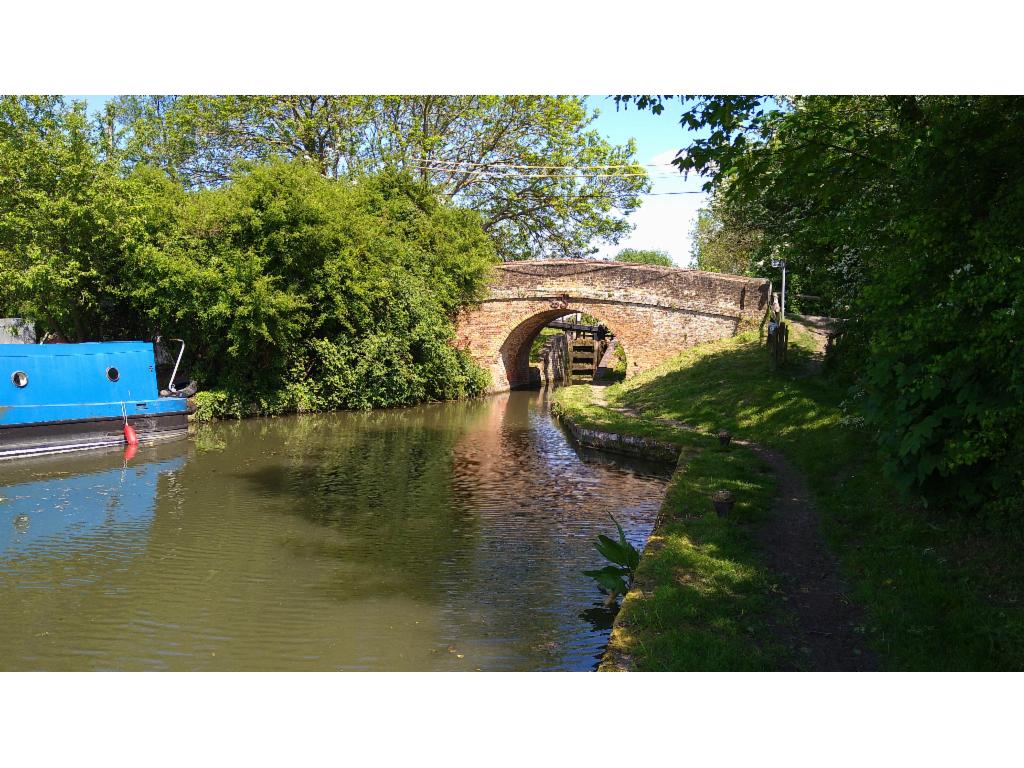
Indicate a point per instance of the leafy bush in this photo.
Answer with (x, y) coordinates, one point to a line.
(292, 291)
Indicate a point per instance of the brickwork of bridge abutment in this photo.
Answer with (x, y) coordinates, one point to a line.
(655, 312)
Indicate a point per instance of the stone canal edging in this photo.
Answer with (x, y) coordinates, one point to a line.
(628, 445)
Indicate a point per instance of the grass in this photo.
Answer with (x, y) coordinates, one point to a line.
(939, 593)
(700, 599)
(703, 598)
(578, 404)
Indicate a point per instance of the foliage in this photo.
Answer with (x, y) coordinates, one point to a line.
(544, 183)
(721, 242)
(637, 256)
(617, 578)
(292, 291)
(69, 224)
(904, 214)
(338, 295)
(620, 360)
(540, 340)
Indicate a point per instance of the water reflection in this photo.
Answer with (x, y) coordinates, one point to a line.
(449, 536)
(58, 515)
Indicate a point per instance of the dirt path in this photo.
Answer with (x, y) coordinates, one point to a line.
(819, 329)
(822, 630)
(817, 620)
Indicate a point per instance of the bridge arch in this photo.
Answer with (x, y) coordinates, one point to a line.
(514, 352)
(655, 312)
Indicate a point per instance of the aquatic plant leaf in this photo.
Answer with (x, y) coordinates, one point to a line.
(610, 578)
(631, 556)
(622, 534)
(612, 550)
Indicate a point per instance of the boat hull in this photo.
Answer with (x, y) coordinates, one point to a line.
(42, 438)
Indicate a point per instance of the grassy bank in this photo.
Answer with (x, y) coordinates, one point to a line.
(701, 598)
(939, 594)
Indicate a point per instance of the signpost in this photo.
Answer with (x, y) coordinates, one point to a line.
(782, 263)
(779, 339)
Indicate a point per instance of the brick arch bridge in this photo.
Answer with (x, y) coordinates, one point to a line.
(654, 311)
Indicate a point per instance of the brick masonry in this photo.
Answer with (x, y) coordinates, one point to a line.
(655, 312)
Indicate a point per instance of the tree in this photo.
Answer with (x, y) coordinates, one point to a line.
(904, 213)
(722, 242)
(544, 183)
(293, 291)
(70, 225)
(300, 292)
(637, 256)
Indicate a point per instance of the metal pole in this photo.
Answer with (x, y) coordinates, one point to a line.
(783, 313)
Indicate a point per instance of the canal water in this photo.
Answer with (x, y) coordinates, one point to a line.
(442, 537)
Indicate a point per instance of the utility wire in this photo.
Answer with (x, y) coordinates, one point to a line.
(504, 171)
(499, 173)
(492, 175)
(499, 164)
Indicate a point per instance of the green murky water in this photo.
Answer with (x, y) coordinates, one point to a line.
(444, 537)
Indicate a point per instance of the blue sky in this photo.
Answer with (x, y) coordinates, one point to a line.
(663, 222)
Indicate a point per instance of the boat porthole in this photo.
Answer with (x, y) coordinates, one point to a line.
(19, 378)
(112, 374)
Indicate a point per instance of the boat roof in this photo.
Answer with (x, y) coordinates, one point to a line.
(84, 348)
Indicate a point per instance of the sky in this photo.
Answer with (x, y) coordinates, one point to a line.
(663, 222)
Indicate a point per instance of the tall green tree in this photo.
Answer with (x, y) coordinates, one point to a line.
(70, 224)
(300, 292)
(544, 182)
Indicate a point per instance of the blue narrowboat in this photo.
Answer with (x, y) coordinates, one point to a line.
(68, 397)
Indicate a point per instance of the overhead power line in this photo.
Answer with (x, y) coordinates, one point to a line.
(498, 164)
(497, 172)
(510, 171)
(490, 174)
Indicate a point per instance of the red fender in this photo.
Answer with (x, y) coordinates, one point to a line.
(129, 435)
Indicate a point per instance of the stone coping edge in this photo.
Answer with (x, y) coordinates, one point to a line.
(613, 442)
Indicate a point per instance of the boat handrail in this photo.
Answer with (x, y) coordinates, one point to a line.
(170, 385)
